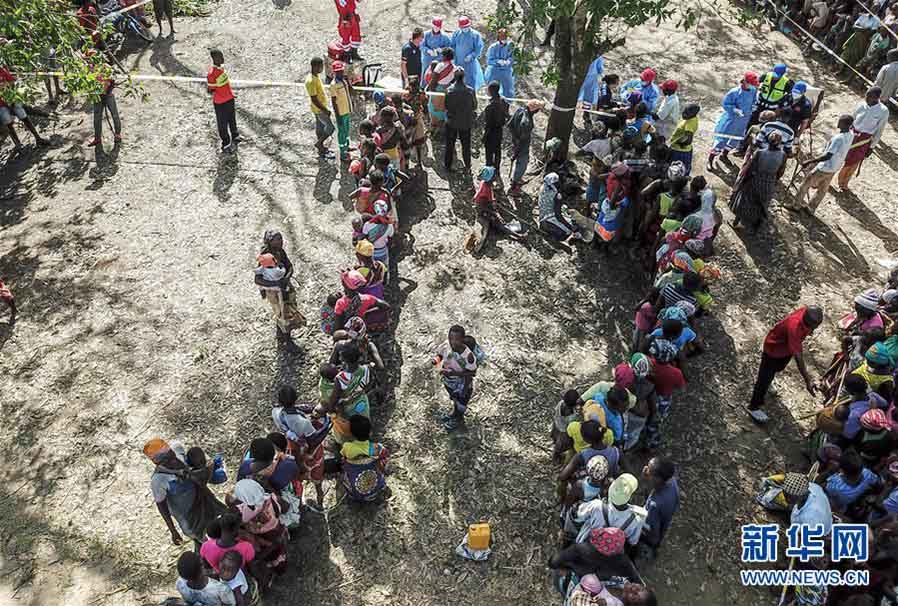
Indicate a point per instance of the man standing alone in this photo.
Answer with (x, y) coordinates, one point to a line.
(324, 127)
(219, 86)
(461, 106)
(784, 342)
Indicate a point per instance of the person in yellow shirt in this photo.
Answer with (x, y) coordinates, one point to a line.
(324, 127)
(341, 98)
(681, 139)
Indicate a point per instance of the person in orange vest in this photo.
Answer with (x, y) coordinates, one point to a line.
(219, 85)
(774, 92)
(349, 29)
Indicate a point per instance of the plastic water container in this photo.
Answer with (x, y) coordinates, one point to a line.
(479, 536)
(219, 475)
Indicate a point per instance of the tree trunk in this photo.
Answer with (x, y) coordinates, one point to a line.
(574, 52)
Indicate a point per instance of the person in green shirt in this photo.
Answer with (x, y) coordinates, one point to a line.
(324, 127)
(681, 139)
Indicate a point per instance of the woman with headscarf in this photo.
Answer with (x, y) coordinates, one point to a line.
(877, 370)
(866, 312)
(280, 295)
(354, 303)
(349, 396)
(551, 221)
(378, 229)
(668, 111)
(179, 488)
(757, 183)
(261, 526)
(602, 554)
(617, 200)
(375, 272)
(438, 78)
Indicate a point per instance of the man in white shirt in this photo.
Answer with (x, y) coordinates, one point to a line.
(870, 119)
(810, 505)
(887, 78)
(616, 513)
(828, 165)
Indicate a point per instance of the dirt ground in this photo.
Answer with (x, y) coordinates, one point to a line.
(139, 318)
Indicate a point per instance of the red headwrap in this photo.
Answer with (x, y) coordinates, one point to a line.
(648, 75)
(669, 85)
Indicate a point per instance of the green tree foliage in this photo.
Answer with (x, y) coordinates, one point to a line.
(30, 30)
(584, 29)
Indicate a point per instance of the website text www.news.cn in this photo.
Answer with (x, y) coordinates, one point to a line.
(767, 578)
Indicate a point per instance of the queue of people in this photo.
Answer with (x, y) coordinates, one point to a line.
(853, 449)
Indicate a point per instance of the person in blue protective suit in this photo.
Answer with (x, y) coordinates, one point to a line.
(434, 43)
(468, 46)
(589, 91)
(774, 90)
(500, 63)
(737, 107)
(645, 85)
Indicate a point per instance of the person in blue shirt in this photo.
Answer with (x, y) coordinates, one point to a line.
(846, 488)
(589, 90)
(737, 107)
(615, 403)
(500, 63)
(468, 46)
(677, 333)
(661, 504)
(644, 85)
(434, 43)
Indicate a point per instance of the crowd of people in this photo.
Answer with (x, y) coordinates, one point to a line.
(854, 473)
(640, 194)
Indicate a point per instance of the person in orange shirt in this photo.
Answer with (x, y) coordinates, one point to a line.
(223, 100)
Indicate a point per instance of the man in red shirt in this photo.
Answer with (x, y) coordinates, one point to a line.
(9, 112)
(784, 342)
(223, 101)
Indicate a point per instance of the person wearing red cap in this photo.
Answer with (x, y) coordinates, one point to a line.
(644, 85)
(434, 43)
(348, 28)
(468, 46)
(667, 115)
(732, 124)
(341, 100)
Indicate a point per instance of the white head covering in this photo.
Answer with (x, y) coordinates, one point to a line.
(250, 492)
(551, 179)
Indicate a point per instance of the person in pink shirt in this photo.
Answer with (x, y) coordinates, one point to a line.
(353, 303)
(646, 319)
(222, 539)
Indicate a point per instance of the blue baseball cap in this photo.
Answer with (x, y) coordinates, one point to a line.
(779, 69)
(800, 87)
(487, 173)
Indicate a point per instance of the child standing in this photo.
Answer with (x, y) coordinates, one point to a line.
(457, 366)
(231, 573)
(219, 85)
